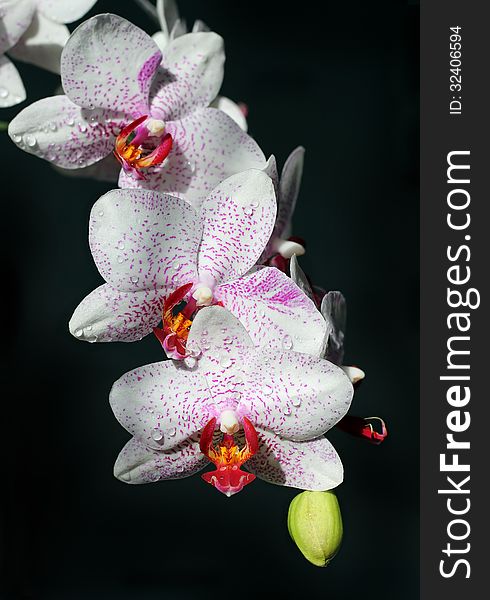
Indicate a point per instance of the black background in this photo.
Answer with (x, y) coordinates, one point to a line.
(343, 82)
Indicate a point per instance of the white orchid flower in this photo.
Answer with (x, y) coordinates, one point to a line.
(151, 110)
(272, 406)
(155, 250)
(33, 31)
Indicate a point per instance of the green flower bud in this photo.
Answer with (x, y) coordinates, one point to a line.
(315, 524)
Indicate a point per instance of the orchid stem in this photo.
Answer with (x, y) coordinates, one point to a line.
(149, 9)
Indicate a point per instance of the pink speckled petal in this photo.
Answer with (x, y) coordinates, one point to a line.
(162, 404)
(64, 11)
(62, 133)
(13, 91)
(208, 148)
(108, 315)
(15, 18)
(289, 185)
(297, 396)
(142, 240)
(109, 63)
(312, 465)
(42, 43)
(137, 463)
(222, 340)
(189, 76)
(238, 218)
(231, 109)
(274, 311)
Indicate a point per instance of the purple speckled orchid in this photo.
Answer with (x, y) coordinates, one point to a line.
(272, 406)
(113, 74)
(33, 31)
(147, 245)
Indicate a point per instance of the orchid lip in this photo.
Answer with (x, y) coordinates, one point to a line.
(227, 457)
(132, 147)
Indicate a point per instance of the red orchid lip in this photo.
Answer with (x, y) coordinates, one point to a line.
(228, 478)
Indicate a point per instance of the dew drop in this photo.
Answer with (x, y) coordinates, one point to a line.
(120, 259)
(157, 435)
(134, 279)
(248, 210)
(172, 432)
(176, 265)
(3, 92)
(30, 140)
(52, 125)
(101, 213)
(180, 469)
(185, 417)
(287, 410)
(296, 401)
(121, 245)
(70, 121)
(83, 128)
(225, 361)
(78, 333)
(89, 328)
(287, 342)
(267, 391)
(17, 138)
(191, 166)
(254, 204)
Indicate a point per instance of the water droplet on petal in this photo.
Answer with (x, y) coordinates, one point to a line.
(191, 166)
(157, 435)
(52, 125)
(134, 279)
(70, 121)
(172, 432)
(83, 128)
(225, 361)
(30, 140)
(120, 259)
(17, 138)
(101, 213)
(3, 92)
(296, 401)
(185, 417)
(190, 362)
(176, 265)
(254, 204)
(287, 410)
(267, 391)
(248, 210)
(78, 333)
(121, 245)
(287, 342)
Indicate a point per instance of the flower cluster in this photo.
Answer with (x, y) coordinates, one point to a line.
(194, 246)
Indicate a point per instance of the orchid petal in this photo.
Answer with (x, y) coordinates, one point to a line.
(168, 15)
(208, 148)
(42, 43)
(61, 132)
(295, 395)
(144, 240)
(299, 278)
(108, 315)
(238, 219)
(160, 39)
(15, 18)
(137, 463)
(109, 63)
(354, 374)
(12, 89)
(63, 11)
(199, 26)
(289, 185)
(231, 109)
(189, 76)
(334, 311)
(274, 311)
(161, 404)
(312, 465)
